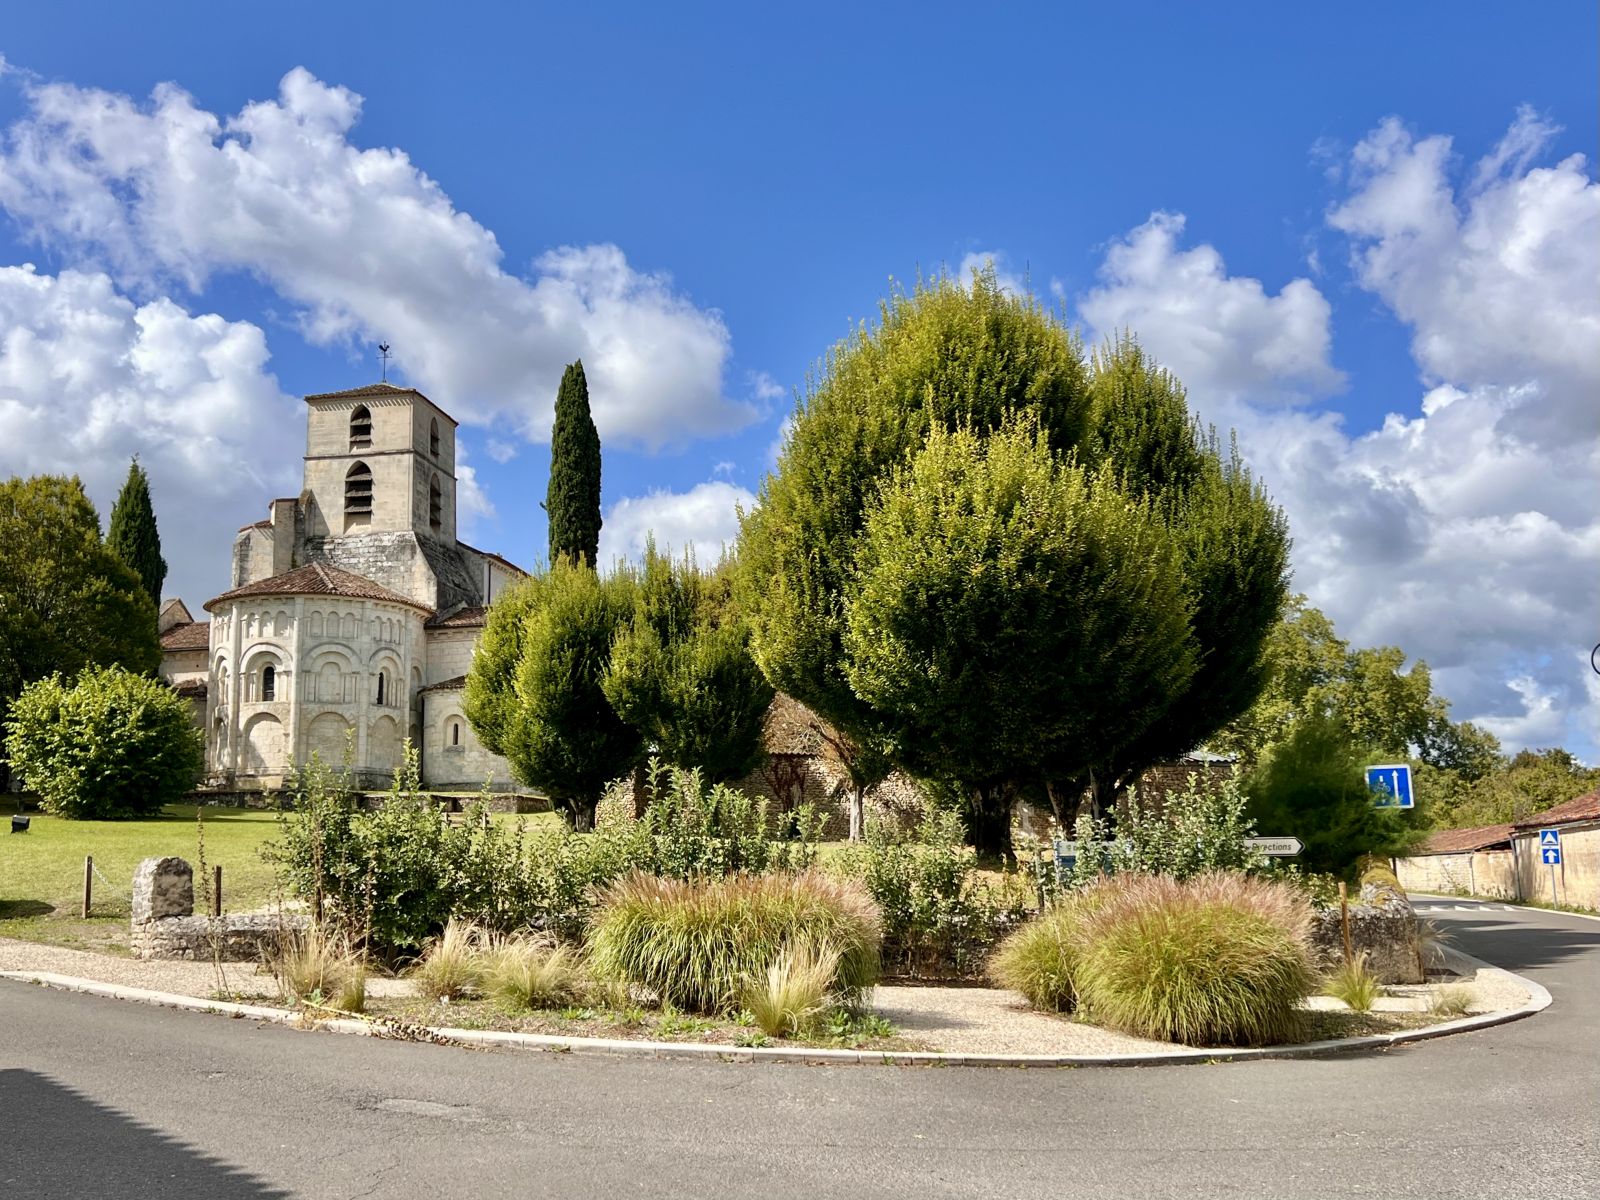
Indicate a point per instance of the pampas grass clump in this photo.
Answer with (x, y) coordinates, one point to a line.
(522, 975)
(1040, 958)
(698, 944)
(452, 967)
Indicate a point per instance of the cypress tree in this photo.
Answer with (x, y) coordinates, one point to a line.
(573, 501)
(133, 536)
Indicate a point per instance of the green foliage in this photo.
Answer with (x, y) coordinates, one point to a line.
(1200, 829)
(109, 745)
(572, 502)
(1525, 784)
(1220, 959)
(697, 944)
(681, 672)
(694, 832)
(1011, 617)
(535, 692)
(1039, 959)
(941, 917)
(132, 535)
(947, 355)
(1353, 983)
(1313, 786)
(66, 601)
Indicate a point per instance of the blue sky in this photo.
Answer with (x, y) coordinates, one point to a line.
(1314, 214)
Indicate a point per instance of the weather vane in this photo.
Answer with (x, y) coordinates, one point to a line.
(383, 354)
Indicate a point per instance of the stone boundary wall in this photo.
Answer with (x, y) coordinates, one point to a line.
(1577, 879)
(1476, 873)
(1383, 924)
(260, 801)
(164, 924)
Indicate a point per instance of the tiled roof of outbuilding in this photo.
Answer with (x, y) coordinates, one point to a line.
(447, 685)
(467, 617)
(318, 579)
(196, 635)
(1460, 841)
(1579, 808)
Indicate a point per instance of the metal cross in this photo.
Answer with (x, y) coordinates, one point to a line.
(383, 353)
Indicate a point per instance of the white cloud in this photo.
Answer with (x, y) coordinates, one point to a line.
(703, 519)
(995, 260)
(368, 247)
(89, 378)
(1463, 530)
(1223, 335)
(501, 451)
(765, 388)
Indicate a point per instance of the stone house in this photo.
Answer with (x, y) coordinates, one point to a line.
(353, 612)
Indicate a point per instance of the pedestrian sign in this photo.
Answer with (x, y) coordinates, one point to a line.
(1390, 785)
(1550, 847)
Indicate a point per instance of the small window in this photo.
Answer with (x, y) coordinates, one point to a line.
(360, 427)
(435, 505)
(358, 494)
(269, 683)
(433, 438)
(455, 733)
(383, 681)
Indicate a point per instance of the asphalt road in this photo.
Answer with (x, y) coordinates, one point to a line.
(106, 1099)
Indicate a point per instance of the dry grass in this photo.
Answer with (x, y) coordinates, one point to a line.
(524, 976)
(795, 990)
(1454, 1000)
(319, 965)
(453, 966)
(695, 945)
(1353, 983)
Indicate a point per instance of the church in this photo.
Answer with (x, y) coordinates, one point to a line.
(352, 614)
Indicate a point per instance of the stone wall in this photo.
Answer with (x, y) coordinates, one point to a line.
(1383, 925)
(1479, 873)
(164, 924)
(1577, 879)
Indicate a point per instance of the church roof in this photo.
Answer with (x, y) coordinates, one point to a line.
(465, 617)
(447, 685)
(318, 579)
(191, 635)
(377, 389)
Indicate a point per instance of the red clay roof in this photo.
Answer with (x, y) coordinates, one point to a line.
(196, 635)
(267, 524)
(194, 689)
(462, 618)
(504, 562)
(318, 579)
(1460, 841)
(1580, 808)
(448, 685)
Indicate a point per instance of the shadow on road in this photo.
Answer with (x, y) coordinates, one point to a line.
(59, 1144)
(1517, 945)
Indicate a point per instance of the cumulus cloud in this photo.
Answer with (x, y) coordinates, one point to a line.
(367, 246)
(89, 378)
(992, 260)
(704, 519)
(1224, 335)
(1464, 529)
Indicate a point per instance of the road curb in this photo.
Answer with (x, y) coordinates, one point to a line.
(1538, 1000)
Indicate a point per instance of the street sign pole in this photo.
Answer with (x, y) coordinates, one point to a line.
(1553, 899)
(1550, 852)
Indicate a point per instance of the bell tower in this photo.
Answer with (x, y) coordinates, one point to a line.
(379, 459)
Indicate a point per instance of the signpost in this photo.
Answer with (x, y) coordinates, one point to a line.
(1279, 847)
(1550, 855)
(1390, 785)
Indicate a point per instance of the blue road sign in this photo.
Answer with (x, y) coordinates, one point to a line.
(1390, 785)
(1550, 847)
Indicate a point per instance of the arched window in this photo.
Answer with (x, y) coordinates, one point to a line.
(358, 495)
(269, 683)
(383, 681)
(360, 427)
(435, 505)
(455, 733)
(433, 438)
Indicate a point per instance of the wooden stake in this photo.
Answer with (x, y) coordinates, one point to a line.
(1344, 923)
(216, 890)
(88, 882)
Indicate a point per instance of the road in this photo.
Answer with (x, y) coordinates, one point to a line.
(117, 1100)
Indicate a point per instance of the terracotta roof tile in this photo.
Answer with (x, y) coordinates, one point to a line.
(467, 617)
(447, 685)
(193, 689)
(1579, 808)
(196, 635)
(1459, 841)
(318, 579)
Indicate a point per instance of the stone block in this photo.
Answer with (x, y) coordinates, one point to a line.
(162, 887)
(1383, 925)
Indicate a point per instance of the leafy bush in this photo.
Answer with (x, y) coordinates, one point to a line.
(1040, 958)
(110, 744)
(1202, 828)
(1353, 983)
(940, 916)
(793, 993)
(523, 975)
(694, 832)
(1220, 959)
(697, 944)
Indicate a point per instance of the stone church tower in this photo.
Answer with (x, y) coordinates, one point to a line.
(354, 609)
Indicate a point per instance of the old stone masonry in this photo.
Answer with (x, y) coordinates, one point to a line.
(353, 613)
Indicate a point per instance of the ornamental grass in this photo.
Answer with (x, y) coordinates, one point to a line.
(1217, 960)
(795, 990)
(523, 975)
(452, 967)
(698, 945)
(1040, 958)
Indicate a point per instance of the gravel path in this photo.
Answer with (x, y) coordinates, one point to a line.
(977, 1020)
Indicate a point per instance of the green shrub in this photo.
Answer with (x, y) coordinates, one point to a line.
(1221, 959)
(941, 918)
(697, 944)
(695, 832)
(794, 991)
(1353, 983)
(110, 744)
(1040, 958)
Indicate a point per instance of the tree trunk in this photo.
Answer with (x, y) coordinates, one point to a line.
(579, 812)
(1103, 792)
(988, 817)
(858, 811)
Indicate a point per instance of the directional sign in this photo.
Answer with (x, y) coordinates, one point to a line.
(1390, 785)
(1550, 847)
(1281, 847)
